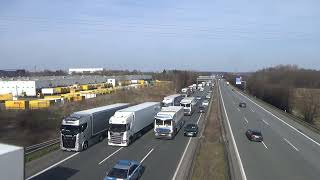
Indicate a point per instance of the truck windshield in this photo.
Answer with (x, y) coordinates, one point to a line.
(70, 130)
(159, 122)
(167, 122)
(118, 127)
(185, 105)
(167, 104)
(118, 173)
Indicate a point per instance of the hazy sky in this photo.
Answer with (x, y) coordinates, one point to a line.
(214, 35)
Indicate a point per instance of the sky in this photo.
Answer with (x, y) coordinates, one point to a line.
(152, 35)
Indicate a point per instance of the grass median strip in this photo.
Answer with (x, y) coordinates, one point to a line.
(41, 152)
(211, 161)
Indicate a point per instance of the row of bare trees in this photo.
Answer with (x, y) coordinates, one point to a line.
(180, 78)
(287, 87)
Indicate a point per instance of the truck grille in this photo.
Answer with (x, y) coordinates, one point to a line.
(69, 142)
(116, 138)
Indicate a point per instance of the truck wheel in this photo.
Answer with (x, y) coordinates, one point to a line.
(85, 146)
(100, 138)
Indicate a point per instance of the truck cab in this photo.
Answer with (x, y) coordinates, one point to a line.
(119, 128)
(74, 130)
(188, 105)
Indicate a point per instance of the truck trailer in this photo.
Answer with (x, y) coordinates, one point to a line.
(168, 122)
(129, 124)
(11, 162)
(172, 100)
(85, 128)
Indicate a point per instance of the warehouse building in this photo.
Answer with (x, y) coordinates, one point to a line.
(85, 70)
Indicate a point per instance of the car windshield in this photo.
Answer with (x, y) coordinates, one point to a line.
(118, 173)
(256, 133)
(191, 127)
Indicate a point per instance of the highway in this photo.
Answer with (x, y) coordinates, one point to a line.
(289, 150)
(159, 157)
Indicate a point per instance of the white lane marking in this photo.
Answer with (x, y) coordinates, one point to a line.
(110, 156)
(264, 145)
(291, 144)
(199, 118)
(243, 173)
(246, 119)
(52, 166)
(182, 157)
(144, 158)
(283, 121)
(251, 109)
(238, 109)
(266, 122)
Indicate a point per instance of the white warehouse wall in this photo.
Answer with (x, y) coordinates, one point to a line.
(18, 88)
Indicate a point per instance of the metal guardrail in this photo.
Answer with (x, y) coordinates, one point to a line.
(40, 146)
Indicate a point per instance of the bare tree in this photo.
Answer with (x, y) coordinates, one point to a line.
(310, 106)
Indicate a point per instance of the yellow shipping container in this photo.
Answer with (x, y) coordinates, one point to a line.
(86, 87)
(141, 81)
(6, 97)
(52, 97)
(78, 98)
(17, 105)
(40, 103)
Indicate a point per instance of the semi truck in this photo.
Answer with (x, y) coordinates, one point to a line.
(129, 124)
(189, 105)
(11, 162)
(168, 122)
(172, 100)
(82, 129)
(185, 92)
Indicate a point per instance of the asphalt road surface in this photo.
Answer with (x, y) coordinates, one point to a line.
(289, 150)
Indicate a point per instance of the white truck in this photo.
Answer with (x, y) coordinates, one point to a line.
(172, 100)
(185, 92)
(48, 91)
(11, 162)
(189, 105)
(168, 122)
(84, 128)
(129, 124)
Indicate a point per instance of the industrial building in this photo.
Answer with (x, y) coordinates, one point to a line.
(12, 73)
(84, 70)
(30, 86)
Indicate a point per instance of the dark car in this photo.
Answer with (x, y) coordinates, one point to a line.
(202, 109)
(125, 169)
(242, 105)
(254, 135)
(191, 130)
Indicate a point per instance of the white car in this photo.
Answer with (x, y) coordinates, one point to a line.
(201, 89)
(208, 96)
(205, 103)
